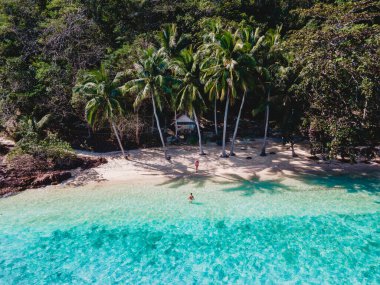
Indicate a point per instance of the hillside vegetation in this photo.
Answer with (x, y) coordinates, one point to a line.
(96, 73)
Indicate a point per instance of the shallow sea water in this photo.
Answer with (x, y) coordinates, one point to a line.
(306, 231)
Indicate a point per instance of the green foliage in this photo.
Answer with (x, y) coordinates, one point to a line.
(50, 147)
(326, 72)
(189, 92)
(337, 59)
(192, 140)
(102, 96)
(151, 78)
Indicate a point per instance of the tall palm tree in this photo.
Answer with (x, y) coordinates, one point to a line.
(151, 81)
(212, 27)
(249, 74)
(103, 99)
(171, 43)
(186, 69)
(223, 68)
(271, 60)
(213, 88)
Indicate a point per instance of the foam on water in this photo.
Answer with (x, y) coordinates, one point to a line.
(314, 230)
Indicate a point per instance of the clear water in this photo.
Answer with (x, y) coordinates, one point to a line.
(311, 230)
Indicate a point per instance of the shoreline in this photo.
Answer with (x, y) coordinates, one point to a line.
(150, 164)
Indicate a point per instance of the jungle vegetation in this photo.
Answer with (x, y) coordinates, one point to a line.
(300, 69)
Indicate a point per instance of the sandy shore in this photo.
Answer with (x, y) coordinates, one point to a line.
(146, 164)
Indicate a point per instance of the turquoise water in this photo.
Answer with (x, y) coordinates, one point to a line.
(311, 230)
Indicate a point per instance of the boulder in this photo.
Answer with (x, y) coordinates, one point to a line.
(51, 178)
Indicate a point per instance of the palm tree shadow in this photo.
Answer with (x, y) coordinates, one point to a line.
(195, 181)
(253, 185)
(352, 184)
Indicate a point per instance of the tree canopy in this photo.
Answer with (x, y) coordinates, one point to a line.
(323, 75)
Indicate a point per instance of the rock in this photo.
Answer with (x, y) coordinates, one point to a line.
(51, 178)
(66, 163)
(93, 162)
(3, 149)
(26, 171)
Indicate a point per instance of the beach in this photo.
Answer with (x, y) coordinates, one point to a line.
(275, 219)
(143, 164)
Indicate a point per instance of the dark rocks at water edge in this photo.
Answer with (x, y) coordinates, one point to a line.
(27, 172)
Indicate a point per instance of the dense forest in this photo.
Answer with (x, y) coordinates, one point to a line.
(97, 74)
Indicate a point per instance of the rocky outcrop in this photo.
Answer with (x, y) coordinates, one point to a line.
(25, 172)
(51, 178)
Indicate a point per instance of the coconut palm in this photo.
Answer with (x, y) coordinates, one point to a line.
(151, 82)
(271, 59)
(249, 74)
(171, 43)
(212, 27)
(103, 99)
(186, 69)
(223, 68)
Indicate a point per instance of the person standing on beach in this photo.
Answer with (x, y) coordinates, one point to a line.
(196, 166)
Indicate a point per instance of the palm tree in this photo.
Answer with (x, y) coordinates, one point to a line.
(171, 44)
(171, 41)
(103, 99)
(212, 27)
(150, 82)
(272, 41)
(249, 73)
(186, 69)
(223, 68)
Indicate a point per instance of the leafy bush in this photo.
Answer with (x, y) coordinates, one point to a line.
(192, 140)
(50, 147)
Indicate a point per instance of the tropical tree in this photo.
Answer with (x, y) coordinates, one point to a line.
(212, 27)
(171, 43)
(186, 69)
(151, 82)
(272, 62)
(250, 73)
(103, 97)
(223, 68)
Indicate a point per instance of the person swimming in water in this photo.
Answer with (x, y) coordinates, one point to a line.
(191, 198)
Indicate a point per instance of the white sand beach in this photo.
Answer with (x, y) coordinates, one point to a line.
(150, 164)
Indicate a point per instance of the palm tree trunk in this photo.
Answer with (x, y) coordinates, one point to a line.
(237, 126)
(175, 122)
(152, 125)
(224, 154)
(158, 125)
(88, 131)
(263, 153)
(137, 128)
(215, 118)
(201, 152)
(117, 137)
(292, 147)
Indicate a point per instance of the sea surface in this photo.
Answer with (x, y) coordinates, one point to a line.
(309, 230)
